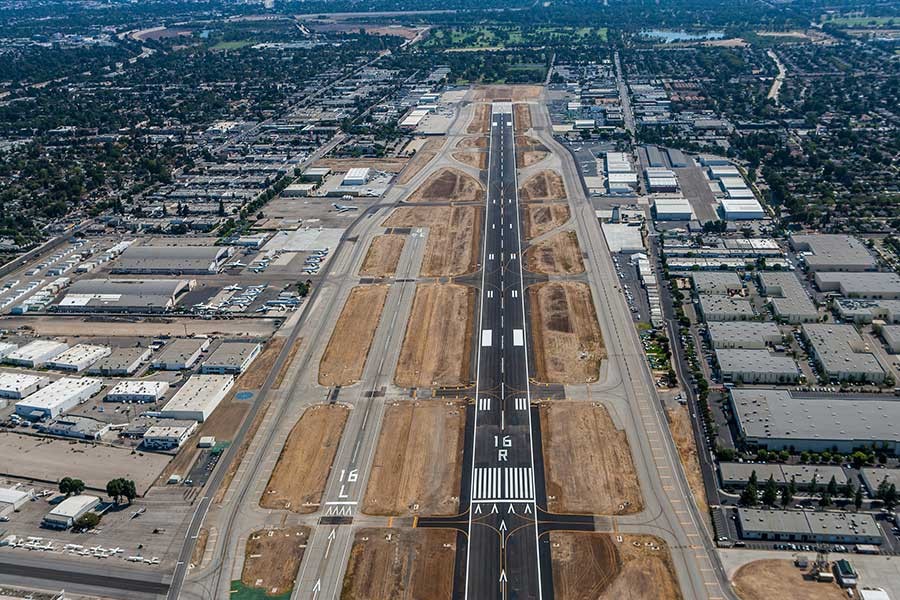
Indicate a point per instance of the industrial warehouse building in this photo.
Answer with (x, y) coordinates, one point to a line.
(122, 362)
(869, 286)
(737, 209)
(787, 297)
(35, 354)
(172, 260)
(197, 398)
(64, 515)
(14, 498)
(756, 366)
(231, 358)
(78, 358)
(891, 336)
(673, 208)
(873, 477)
(123, 295)
(716, 307)
(867, 311)
(6, 348)
(716, 282)
(774, 419)
(833, 527)
(76, 427)
(357, 176)
(841, 353)
(743, 334)
(168, 436)
(138, 391)
(181, 354)
(833, 252)
(20, 385)
(58, 397)
(737, 475)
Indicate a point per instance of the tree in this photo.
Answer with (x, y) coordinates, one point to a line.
(750, 495)
(813, 484)
(887, 493)
(832, 488)
(70, 486)
(88, 520)
(858, 498)
(121, 488)
(786, 496)
(770, 492)
(825, 500)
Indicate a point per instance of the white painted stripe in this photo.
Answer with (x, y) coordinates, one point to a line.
(490, 293)
(518, 337)
(515, 293)
(484, 404)
(512, 256)
(487, 337)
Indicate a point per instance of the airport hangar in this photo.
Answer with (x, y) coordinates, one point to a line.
(123, 295)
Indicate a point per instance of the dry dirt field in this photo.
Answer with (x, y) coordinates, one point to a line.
(557, 255)
(775, 579)
(475, 159)
(272, 558)
(568, 344)
(383, 255)
(481, 120)
(421, 158)
(400, 564)
(680, 425)
(543, 185)
(454, 233)
(298, 480)
(438, 338)
(593, 566)
(541, 218)
(587, 461)
(522, 117)
(507, 92)
(418, 463)
(341, 165)
(479, 142)
(345, 355)
(529, 151)
(449, 185)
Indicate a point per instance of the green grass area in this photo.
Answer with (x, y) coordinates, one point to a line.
(504, 37)
(235, 45)
(239, 591)
(863, 21)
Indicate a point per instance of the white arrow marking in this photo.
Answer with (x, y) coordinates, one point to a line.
(527, 509)
(511, 510)
(477, 509)
(331, 537)
(494, 509)
(317, 588)
(502, 575)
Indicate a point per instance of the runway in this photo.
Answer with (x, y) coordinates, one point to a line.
(502, 553)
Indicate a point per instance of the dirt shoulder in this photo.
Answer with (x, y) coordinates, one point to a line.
(418, 462)
(543, 186)
(454, 234)
(557, 255)
(771, 579)
(680, 425)
(345, 355)
(438, 342)
(522, 118)
(298, 480)
(273, 557)
(566, 338)
(587, 461)
(422, 157)
(541, 218)
(449, 185)
(481, 120)
(383, 256)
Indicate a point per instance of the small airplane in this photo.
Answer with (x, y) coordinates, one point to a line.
(233, 288)
(342, 208)
(310, 271)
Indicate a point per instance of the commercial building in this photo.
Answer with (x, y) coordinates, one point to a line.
(737, 475)
(869, 286)
(79, 357)
(867, 311)
(6, 348)
(357, 176)
(891, 336)
(841, 353)
(623, 237)
(737, 209)
(76, 427)
(168, 436)
(180, 354)
(35, 354)
(171, 260)
(197, 398)
(69, 510)
(58, 397)
(138, 391)
(834, 527)
(749, 335)
(660, 179)
(833, 252)
(231, 358)
(317, 174)
(716, 282)
(673, 208)
(756, 366)
(716, 307)
(20, 385)
(787, 297)
(123, 295)
(121, 362)
(774, 419)
(14, 498)
(872, 478)
(298, 190)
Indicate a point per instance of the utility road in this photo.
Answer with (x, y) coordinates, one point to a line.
(502, 556)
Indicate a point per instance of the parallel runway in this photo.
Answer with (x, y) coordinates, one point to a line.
(502, 553)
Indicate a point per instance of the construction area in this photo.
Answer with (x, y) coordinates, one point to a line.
(298, 480)
(452, 247)
(449, 185)
(542, 186)
(400, 564)
(541, 218)
(383, 256)
(345, 356)
(773, 578)
(597, 566)
(567, 342)
(418, 462)
(587, 461)
(272, 559)
(438, 340)
(559, 254)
